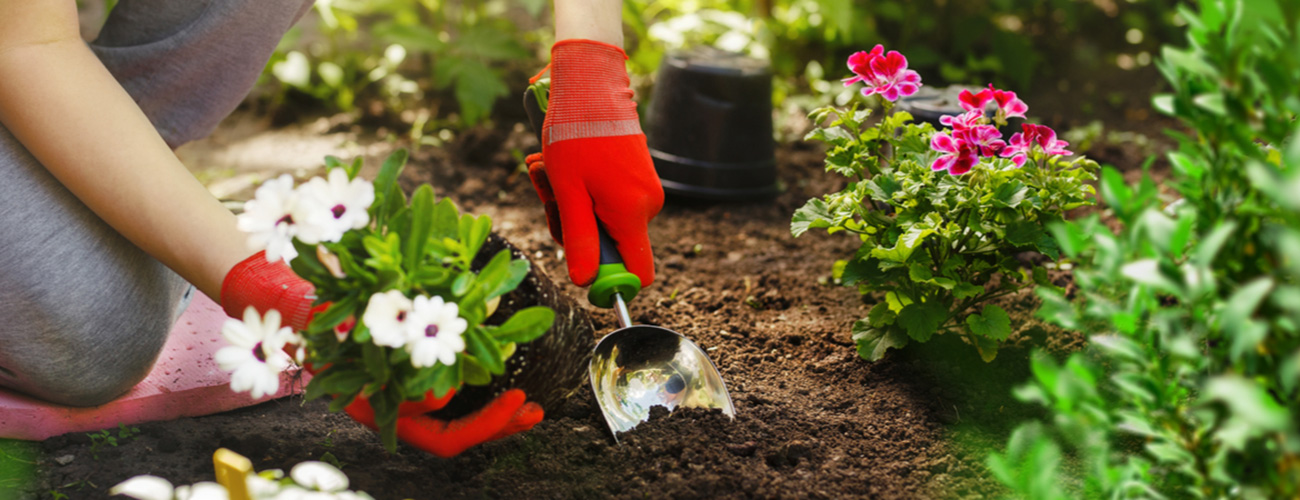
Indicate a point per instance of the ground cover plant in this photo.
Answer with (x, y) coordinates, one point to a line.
(940, 216)
(401, 309)
(1191, 387)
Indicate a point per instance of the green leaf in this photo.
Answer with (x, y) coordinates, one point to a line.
(421, 227)
(336, 380)
(446, 220)
(515, 274)
(921, 319)
(386, 180)
(485, 350)
(813, 214)
(856, 270)
(335, 314)
(1209, 246)
(473, 232)
(477, 89)
(525, 325)
(994, 323)
(907, 243)
(873, 342)
(881, 316)
(1114, 191)
(473, 373)
(1147, 272)
(1253, 412)
(966, 290)
(375, 359)
(1010, 194)
(1023, 233)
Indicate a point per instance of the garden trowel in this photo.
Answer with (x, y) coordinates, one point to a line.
(638, 367)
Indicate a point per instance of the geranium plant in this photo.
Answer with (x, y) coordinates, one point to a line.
(401, 308)
(941, 215)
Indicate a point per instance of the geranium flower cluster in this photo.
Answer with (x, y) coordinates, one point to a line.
(973, 135)
(883, 73)
(307, 480)
(320, 210)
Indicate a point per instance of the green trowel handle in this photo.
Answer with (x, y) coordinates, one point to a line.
(612, 277)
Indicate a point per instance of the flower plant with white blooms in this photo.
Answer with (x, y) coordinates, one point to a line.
(407, 311)
(306, 481)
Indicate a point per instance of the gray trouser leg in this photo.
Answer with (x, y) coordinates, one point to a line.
(85, 312)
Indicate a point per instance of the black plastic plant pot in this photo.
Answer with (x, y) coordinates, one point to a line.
(710, 126)
(549, 369)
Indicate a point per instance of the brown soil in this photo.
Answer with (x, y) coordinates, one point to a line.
(813, 420)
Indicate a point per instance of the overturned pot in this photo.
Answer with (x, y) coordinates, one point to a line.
(710, 126)
(549, 369)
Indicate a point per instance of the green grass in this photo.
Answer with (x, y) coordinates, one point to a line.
(17, 466)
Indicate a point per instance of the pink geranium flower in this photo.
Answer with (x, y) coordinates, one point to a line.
(1022, 143)
(1009, 105)
(985, 138)
(860, 65)
(969, 119)
(884, 74)
(972, 101)
(960, 155)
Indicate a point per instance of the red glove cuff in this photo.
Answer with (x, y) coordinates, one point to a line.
(265, 286)
(590, 93)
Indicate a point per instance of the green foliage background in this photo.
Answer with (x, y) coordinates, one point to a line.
(449, 62)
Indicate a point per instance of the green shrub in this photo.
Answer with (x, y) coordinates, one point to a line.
(1190, 386)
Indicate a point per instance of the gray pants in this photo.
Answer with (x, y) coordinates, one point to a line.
(83, 312)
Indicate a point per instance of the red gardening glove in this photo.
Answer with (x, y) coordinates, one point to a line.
(273, 285)
(265, 286)
(508, 414)
(597, 166)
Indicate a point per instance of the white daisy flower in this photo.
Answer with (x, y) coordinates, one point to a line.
(386, 316)
(434, 331)
(329, 207)
(269, 219)
(255, 354)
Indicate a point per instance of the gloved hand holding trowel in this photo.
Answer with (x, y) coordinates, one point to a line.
(597, 169)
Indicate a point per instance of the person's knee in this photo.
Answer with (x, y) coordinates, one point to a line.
(90, 368)
(84, 349)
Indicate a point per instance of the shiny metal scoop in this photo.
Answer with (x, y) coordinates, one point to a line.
(636, 368)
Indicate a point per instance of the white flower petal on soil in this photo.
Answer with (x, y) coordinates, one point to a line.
(254, 354)
(206, 490)
(319, 476)
(261, 487)
(328, 207)
(434, 329)
(386, 316)
(268, 219)
(144, 488)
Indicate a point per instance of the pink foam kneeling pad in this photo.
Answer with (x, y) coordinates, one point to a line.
(185, 382)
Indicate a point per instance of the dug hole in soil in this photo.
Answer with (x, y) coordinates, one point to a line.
(812, 419)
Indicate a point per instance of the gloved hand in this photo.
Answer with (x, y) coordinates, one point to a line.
(508, 414)
(597, 166)
(273, 285)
